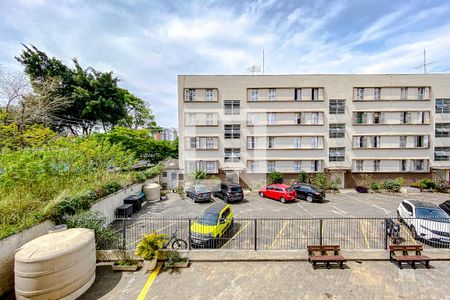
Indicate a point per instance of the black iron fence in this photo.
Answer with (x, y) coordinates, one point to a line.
(284, 234)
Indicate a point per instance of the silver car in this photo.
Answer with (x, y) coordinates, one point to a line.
(199, 193)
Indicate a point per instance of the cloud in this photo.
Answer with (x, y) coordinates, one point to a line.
(148, 43)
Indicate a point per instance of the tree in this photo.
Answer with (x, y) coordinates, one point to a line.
(14, 87)
(139, 114)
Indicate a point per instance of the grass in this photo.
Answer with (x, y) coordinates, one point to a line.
(27, 205)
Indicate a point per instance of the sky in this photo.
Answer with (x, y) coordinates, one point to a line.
(148, 43)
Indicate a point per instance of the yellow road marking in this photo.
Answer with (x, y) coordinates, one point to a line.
(239, 231)
(278, 235)
(149, 282)
(323, 229)
(366, 241)
(409, 234)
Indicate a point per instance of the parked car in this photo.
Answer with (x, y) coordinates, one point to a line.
(229, 192)
(199, 193)
(425, 220)
(445, 206)
(281, 192)
(210, 226)
(308, 192)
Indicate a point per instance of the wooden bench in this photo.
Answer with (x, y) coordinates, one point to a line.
(402, 253)
(325, 254)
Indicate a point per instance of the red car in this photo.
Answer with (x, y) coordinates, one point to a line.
(280, 192)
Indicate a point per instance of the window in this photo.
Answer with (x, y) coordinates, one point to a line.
(442, 153)
(271, 118)
(315, 118)
(298, 95)
(360, 118)
(270, 166)
(315, 142)
(298, 118)
(232, 107)
(209, 143)
(421, 117)
(405, 117)
(337, 130)
(418, 165)
(297, 166)
(360, 93)
(189, 95)
(297, 142)
(337, 107)
(442, 130)
(232, 131)
(253, 166)
(361, 142)
(271, 142)
(209, 119)
(359, 165)
(251, 142)
(316, 165)
(376, 141)
(421, 93)
(209, 95)
(403, 141)
(164, 174)
(315, 94)
(253, 119)
(255, 93)
(419, 141)
(404, 93)
(403, 165)
(195, 142)
(337, 154)
(210, 167)
(377, 93)
(376, 165)
(442, 106)
(378, 118)
(232, 154)
(272, 94)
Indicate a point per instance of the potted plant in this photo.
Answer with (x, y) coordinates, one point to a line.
(163, 196)
(125, 265)
(175, 260)
(148, 249)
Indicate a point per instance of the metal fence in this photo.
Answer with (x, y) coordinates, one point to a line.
(286, 233)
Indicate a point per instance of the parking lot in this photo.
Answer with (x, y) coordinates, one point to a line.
(352, 220)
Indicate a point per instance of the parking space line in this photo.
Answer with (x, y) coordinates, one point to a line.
(366, 241)
(239, 231)
(406, 229)
(279, 233)
(149, 282)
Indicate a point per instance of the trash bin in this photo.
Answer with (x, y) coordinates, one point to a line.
(124, 211)
(136, 200)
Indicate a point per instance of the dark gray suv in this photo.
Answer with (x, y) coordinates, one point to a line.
(229, 192)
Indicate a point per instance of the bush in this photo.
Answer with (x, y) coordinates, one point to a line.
(442, 186)
(154, 171)
(172, 258)
(140, 177)
(199, 175)
(111, 187)
(303, 177)
(392, 185)
(104, 236)
(375, 186)
(275, 177)
(148, 248)
(321, 181)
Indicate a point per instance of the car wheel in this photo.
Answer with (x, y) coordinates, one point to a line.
(261, 194)
(195, 199)
(282, 200)
(309, 198)
(414, 232)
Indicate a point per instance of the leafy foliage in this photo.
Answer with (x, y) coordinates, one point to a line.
(199, 175)
(425, 184)
(172, 258)
(392, 185)
(275, 177)
(303, 177)
(149, 246)
(375, 186)
(104, 235)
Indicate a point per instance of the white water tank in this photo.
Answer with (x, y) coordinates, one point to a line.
(58, 265)
(152, 191)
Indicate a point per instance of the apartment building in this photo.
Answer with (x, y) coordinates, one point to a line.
(242, 127)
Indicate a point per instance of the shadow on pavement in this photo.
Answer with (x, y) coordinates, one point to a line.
(105, 280)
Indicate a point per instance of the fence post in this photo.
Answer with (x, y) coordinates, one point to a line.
(124, 234)
(320, 232)
(189, 237)
(385, 235)
(256, 235)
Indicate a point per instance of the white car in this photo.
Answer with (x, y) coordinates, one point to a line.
(425, 220)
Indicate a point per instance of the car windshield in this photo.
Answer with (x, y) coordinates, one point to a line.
(201, 189)
(289, 189)
(208, 219)
(432, 213)
(235, 189)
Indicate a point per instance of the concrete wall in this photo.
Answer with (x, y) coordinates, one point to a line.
(8, 248)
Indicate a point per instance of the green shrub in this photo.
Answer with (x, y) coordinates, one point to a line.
(150, 245)
(172, 258)
(375, 186)
(392, 185)
(303, 177)
(321, 181)
(104, 236)
(154, 171)
(442, 186)
(275, 177)
(111, 187)
(199, 175)
(140, 177)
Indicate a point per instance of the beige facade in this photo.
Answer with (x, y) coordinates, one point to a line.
(247, 126)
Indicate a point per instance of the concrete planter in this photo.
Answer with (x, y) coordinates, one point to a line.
(150, 265)
(125, 268)
(183, 264)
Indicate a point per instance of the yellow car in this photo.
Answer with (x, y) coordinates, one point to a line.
(209, 228)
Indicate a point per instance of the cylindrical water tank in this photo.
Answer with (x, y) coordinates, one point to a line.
(58, 265)
(152, 191)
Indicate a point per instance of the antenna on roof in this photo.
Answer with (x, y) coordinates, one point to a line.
(253, 69)
(425, 63)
